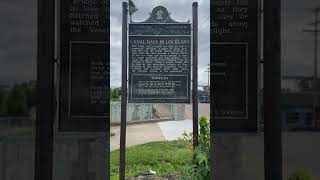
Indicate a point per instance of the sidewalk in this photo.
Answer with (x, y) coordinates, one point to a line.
(161, 131)
(150, 132)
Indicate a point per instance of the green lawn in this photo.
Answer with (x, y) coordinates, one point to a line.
(166, 158)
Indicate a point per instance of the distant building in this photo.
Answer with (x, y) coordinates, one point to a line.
(299, 83)
(297, 103)
(203, 96)
(297, 111)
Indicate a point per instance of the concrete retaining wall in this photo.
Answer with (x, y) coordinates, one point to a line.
(143, 112)
(237, 157)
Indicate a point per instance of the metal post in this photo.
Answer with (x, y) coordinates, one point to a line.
(272, 89)
(212, 140)
(195, 73)
(316, 43)
(315, 73)
(259, 67)
(124, 92)
(45, 89)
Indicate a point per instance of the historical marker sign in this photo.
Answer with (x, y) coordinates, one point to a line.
(159, 60)
(84, 70)
(234, 57)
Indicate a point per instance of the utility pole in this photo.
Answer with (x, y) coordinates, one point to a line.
(208, 71)
(315, 31)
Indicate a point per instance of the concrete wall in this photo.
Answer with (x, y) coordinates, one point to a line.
(243, 157)
(74, 158)
(237, 157)
(144, 112)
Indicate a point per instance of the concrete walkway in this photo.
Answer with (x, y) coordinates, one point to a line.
(162, 131)
(150, 132)
(172, 130)
(137, 134)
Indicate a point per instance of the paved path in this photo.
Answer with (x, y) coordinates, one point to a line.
(172, 130)
(150, 132)
(162, 131)
(137, 134)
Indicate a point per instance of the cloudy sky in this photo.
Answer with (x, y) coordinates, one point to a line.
(181, 11)
(297, 47)
(17, 40)
(18, 36)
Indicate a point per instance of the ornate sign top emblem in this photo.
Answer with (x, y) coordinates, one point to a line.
(160, 15)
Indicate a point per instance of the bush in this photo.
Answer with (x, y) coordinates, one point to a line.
(200, 170)
(3, 100)
(17, 102)
(299, 176)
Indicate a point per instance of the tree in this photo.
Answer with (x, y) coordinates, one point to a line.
(17, 102)
(3, 97)
(29, 88)
(115, 94)
(206, 88)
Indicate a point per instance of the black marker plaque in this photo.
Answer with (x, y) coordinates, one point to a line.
(159, 60)
(233, 70)
(89, 82)
(84, 71)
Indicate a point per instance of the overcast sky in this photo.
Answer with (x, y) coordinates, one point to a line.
(297, 47)
(18, 36)
(17, 40)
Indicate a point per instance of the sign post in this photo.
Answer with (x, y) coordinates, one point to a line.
(124, 92)
(195, 74)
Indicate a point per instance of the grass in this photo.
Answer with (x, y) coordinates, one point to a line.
(167, 158)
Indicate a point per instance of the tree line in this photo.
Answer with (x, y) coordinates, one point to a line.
(18, 99)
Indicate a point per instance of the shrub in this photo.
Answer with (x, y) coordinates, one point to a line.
(200, 170)
(17, 102)
(3, 100)
(299, 176)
